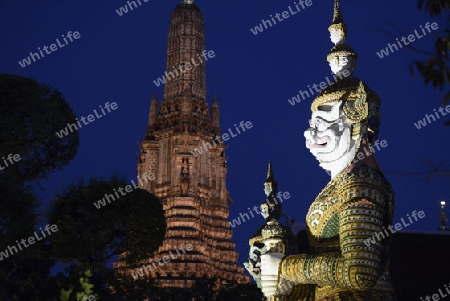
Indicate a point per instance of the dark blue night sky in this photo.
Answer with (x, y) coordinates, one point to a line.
(117, 58)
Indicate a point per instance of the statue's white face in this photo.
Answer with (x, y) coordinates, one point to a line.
(253, 265)
(255, 254)
(267, 189)
(264, 210)
(336, 36)
(340, 63)
(329, 138)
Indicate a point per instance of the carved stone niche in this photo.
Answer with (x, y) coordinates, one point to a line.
(184, 176)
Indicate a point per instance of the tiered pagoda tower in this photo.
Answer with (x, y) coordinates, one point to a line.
(192, 188)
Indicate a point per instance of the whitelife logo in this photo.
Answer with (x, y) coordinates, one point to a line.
(411, 38)
(321, 85)
(365, 152)
(286, 14)
(27, 61)
(165, 259)
(9, 251)
(430, 118)
(198, 151)
(169, 76)
(437, 297)
(110, 198)
(397, 226)
(64, 132)
(124, 9)
(10, 158)
(237, 221)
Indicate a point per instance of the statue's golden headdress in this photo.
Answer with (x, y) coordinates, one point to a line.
(359, 103)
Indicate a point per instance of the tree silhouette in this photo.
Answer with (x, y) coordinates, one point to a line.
(30, 115)
(436, 69)
(23, 272)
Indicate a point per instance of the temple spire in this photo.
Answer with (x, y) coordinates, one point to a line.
(189, 183)
(184, 106)
(185, 70)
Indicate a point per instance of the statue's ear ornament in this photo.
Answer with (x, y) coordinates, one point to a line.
(356, 107)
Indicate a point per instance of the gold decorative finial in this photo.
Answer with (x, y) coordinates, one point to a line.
(337, 16)
(270, 171)
(338, 26)
(270, 185)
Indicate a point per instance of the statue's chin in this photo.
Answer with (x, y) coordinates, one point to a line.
(337, 166)
(337, 160)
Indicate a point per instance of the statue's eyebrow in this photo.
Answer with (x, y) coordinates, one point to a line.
(331, 112)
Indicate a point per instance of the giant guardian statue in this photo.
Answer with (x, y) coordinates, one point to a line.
(357, 203)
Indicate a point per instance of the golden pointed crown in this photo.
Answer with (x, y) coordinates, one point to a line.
(338, 25)
(270, 181)
(338, 20)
